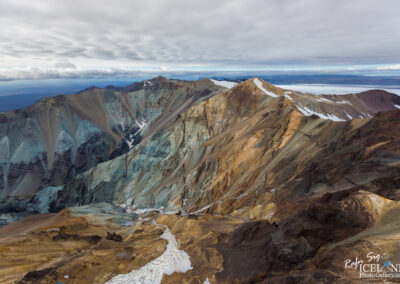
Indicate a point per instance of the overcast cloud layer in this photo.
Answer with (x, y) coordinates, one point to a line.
(54, 38)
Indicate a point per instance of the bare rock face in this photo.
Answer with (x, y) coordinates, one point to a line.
(243, 146)
(51, 142)
(287, 245)
(256, 183)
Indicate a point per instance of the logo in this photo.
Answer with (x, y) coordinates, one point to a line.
(374, 265)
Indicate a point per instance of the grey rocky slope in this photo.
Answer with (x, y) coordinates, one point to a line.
(47, 144)
(252, 138)
(258, 185)
(171, 143)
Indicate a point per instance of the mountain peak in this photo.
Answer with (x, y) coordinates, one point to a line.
(91, 88)
(206, 163)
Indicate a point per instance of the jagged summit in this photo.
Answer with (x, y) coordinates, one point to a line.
(136, 86)
(307, 175)
(63, 135)
(68, 134)
(91, 88)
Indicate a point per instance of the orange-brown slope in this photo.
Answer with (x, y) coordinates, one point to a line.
(242, 152)
(70, 248)
(285, 196)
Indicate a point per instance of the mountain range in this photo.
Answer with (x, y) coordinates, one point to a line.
(203, 181)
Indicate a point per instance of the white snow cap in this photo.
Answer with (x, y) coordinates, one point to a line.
(260, 86)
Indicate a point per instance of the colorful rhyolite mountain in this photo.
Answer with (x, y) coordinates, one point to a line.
(199, 182)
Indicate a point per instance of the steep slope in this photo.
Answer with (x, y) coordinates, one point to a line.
(243, 141)
(44, 141)
(344, 107)
(50, 142)
(310, 246)
(257, 185)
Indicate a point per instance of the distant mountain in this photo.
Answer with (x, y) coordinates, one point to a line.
(58, 137)
(247, 184)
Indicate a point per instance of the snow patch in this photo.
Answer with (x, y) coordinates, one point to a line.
(147, 83)
(226, 84)
(324, 100)
(145, 210)
(53, 230)
(397, 106)
(141, 125)
(202, 209)
(206, 281)
(130, 141)
(286, 95)
(172, 260)
(308, 112)
(348, 115)
(342, 102)
(260, 86)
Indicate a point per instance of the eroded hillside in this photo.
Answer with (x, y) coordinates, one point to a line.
(255, 184)
(54, 140)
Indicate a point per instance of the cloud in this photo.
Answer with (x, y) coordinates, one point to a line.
(64, 64)
(227, 33)
(34, 73)
(66, 71)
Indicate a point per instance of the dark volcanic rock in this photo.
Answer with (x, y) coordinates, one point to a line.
(113, 237)
(266, 249)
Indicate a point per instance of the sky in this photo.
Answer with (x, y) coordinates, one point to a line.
(95, 38)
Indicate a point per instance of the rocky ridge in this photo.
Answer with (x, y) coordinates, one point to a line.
(46, 145)
(256, 183)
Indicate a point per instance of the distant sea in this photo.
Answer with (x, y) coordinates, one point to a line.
(22, 93)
